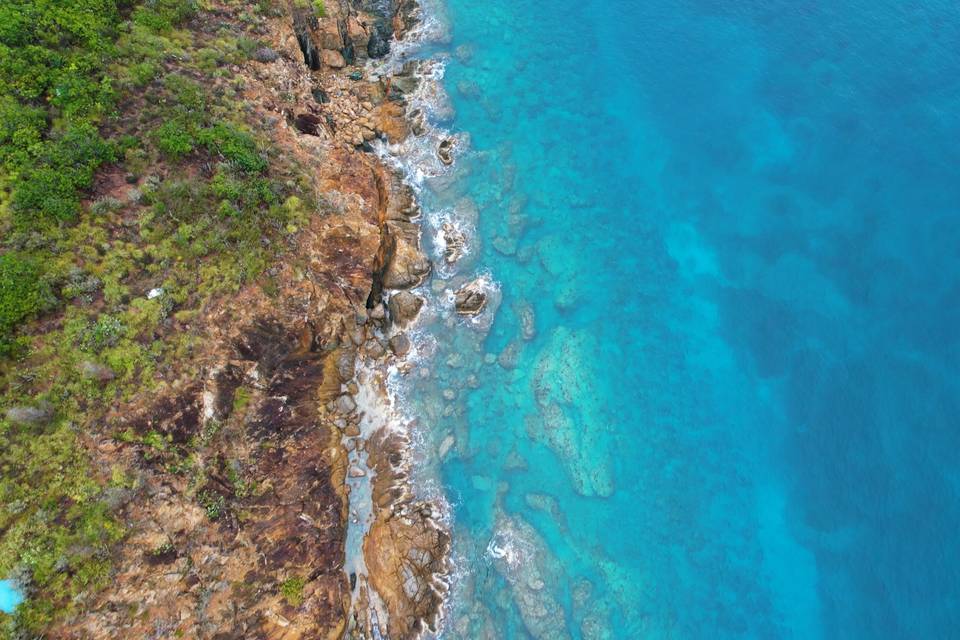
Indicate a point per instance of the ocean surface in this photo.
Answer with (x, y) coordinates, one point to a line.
(720, 395)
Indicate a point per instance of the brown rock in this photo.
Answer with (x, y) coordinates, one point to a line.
(330, 37)
(357, 34)
(454, 242)
(400, 345)
(470, 299)
(332, 58)
(404, 307)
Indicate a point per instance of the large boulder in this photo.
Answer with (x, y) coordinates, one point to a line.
(404, 307)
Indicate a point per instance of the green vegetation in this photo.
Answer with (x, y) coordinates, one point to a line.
(292, 590)
(22, 294)
(132, 193)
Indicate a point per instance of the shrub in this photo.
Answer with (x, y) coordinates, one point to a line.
(174, 138)
(235, 146)
(22, 294)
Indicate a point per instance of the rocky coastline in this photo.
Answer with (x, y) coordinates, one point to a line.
(292, 407)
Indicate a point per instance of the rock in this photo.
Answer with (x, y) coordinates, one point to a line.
(407, 269)
(445, 445)
(400, 345)
(332, 58)
(307, 123)
(330, 37)
(29, 415)
(346, 364)
(345, 404)
(352, 431)
(407, 84)
(528, 320)
(445, 151)
(454, 243)
(357, 35)
(355, 75)
(509, 356)
(93, 371)
(375, 349)
(265, 55)
(378, 44)
(404, 307)
(356, 472)
(470, 299)
(301, 28)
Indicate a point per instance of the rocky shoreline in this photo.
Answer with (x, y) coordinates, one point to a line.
(292, 403)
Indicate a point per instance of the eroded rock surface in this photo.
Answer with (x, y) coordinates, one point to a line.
(522, 557)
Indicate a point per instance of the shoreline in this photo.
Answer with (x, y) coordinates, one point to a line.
(286, 396)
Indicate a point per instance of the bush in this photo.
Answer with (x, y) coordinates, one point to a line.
(174, 138)
(235, 146)
(49, 191)
(22, 294)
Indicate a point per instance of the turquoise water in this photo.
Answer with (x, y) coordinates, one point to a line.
(738, 227)
(10, 597)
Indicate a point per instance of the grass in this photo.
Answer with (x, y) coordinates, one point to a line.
(292, 590)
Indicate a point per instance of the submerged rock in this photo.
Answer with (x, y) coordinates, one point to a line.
(572, 416)
(528, 319)
(522, 557)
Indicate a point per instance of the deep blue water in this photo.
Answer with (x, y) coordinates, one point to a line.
(738, 224)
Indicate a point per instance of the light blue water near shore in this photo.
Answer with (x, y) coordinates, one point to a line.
(738, 225)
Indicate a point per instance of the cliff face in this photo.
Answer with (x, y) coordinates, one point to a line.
(242, 533)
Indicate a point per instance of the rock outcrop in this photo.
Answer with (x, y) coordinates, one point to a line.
(470, 299)
(404, 307)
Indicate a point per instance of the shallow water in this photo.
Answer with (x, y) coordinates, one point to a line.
(736, 225)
